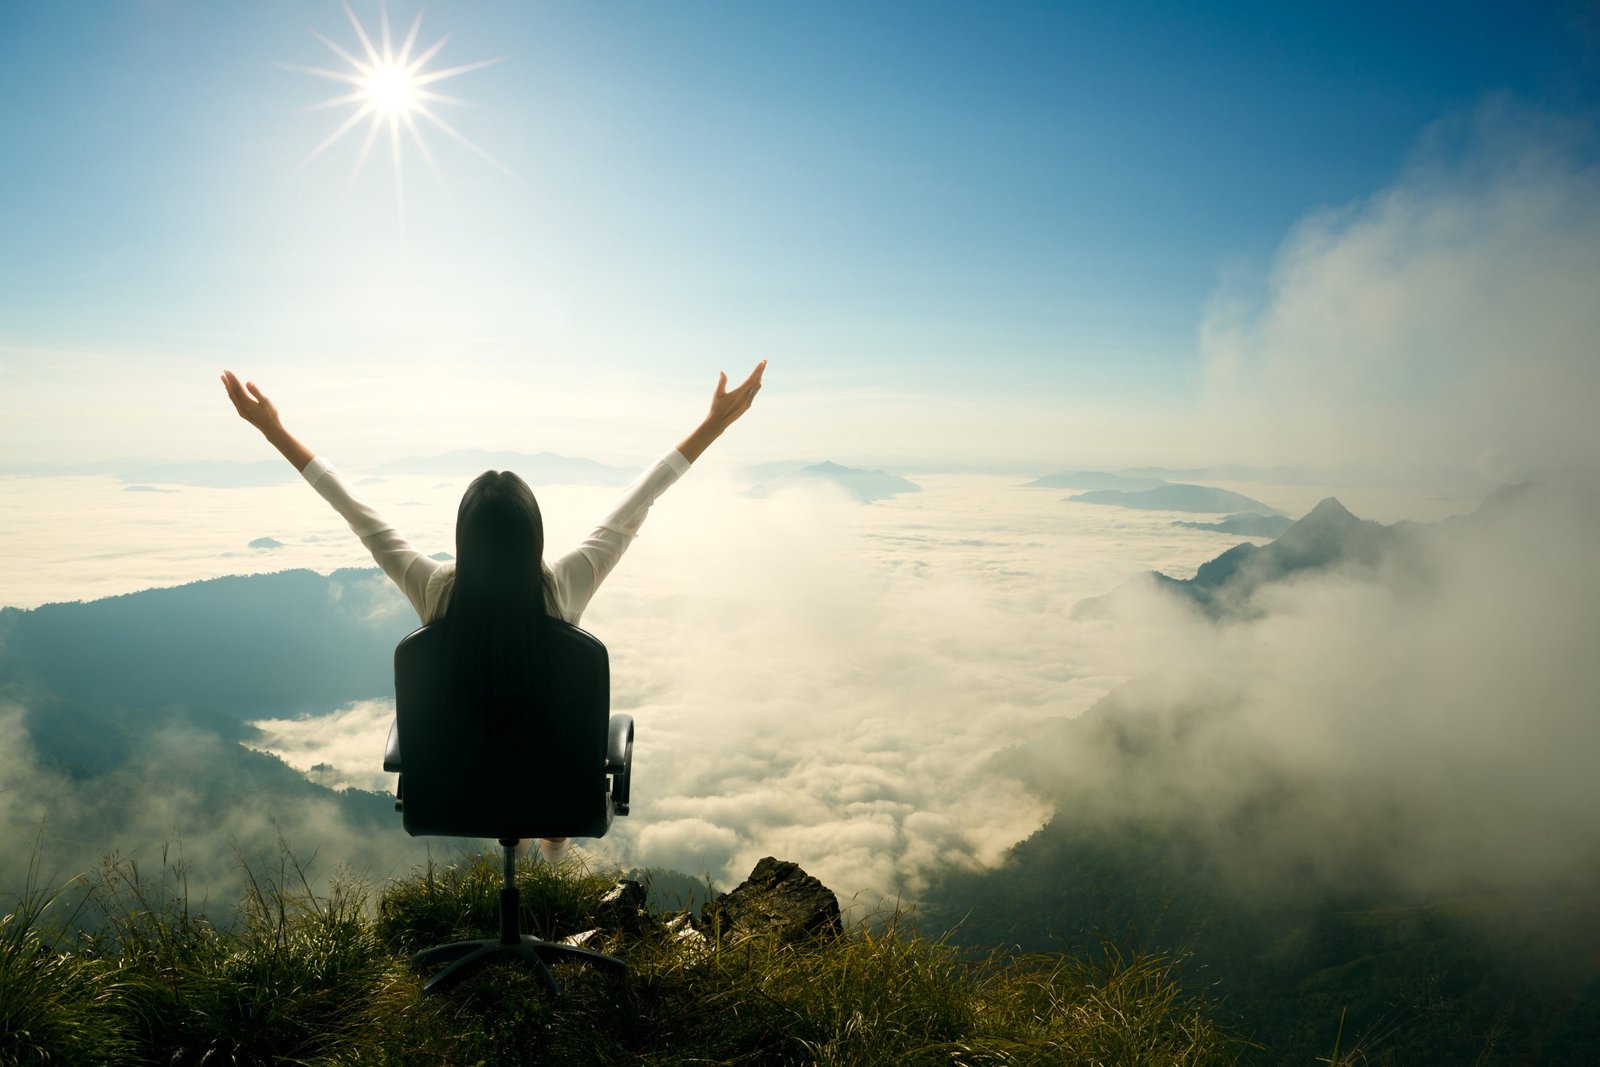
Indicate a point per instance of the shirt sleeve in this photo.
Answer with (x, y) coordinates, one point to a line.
(402, 561)
(579, 573)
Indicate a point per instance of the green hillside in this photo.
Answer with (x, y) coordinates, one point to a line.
(302, 978)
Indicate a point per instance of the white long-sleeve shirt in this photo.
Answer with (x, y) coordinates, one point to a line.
(427, 582)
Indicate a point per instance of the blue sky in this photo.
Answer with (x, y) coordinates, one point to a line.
(907, 208)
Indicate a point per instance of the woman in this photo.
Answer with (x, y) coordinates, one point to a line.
(498, 589)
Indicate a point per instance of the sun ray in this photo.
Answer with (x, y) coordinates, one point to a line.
(333, 75)
(390, 88)
(440, 98)
(366, 146)
(360, 66)
(463, 139)
(343, 129)
(427, 154)
(422, 145)
(399, 174)
(432, 50)
(439, 75)
(334, 101)
(361, 34)
(411, 39)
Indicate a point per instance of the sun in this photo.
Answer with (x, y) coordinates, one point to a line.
(390, 90)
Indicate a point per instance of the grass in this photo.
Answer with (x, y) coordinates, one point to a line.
(303, 978)
(55, 1006)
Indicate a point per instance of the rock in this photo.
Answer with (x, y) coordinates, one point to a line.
(690, 940)
(777, 900)
(623, 909)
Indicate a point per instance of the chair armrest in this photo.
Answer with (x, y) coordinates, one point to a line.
(619, 744)
(619, 760)
(391, 750)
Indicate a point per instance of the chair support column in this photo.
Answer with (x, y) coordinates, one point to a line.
(510, 902)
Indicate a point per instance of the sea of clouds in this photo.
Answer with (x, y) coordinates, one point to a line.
(831, 682)
(811, 677)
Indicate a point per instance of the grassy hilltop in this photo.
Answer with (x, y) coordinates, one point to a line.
(307, 979)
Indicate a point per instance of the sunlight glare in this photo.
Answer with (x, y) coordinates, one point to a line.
(390, 89)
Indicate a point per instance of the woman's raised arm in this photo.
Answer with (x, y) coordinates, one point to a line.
(254, 407)
(400, 559)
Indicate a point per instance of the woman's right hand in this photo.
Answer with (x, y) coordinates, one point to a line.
(726, 407)
(728, 404)
(251, 403)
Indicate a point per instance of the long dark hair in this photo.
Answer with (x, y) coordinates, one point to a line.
(496, 616)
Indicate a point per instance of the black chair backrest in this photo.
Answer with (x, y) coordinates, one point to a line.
(543, 777)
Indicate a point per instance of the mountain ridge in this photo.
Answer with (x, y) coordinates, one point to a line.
(863, 485)
(1177, 496)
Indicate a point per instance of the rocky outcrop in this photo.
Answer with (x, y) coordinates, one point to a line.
(779, 900)
(624, 909)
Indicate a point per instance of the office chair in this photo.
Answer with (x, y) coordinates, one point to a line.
(562, 773)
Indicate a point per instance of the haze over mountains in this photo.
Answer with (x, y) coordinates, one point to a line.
(1355, 757)
(1176, 497)
(540, 468)
(213, 474)
(536, 468)
(1094, 480)
(1287, 699)
(1326, 537)
(1147, 492)
(215, 656)
(284, 645)
(861, 485)
(1245, 525)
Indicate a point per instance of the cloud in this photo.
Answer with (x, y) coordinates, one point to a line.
(1445, 324)
(835, 683)
(185, 798)
(840, 684)
(811, 677)
(828, 681)
(349, 740)
(831, 682)
(1432, 722)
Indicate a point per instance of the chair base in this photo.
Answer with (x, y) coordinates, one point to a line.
(463, 956)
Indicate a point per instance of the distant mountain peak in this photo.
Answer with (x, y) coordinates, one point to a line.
(864, 485)
(1177, 496)
(1326, 530)
(1245, 524)
(1327, 509)
(1325, 537)
(1094, 480)
(1509, 494)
